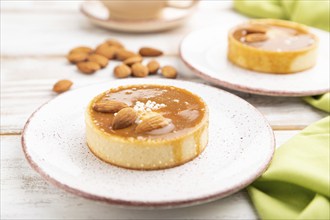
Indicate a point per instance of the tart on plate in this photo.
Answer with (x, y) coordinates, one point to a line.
(147, 127)
(272, 46)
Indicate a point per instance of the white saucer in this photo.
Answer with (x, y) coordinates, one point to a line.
(170, 18)
(241, 145)
(205, 52)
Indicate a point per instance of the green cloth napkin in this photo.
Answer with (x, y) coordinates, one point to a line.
(321, 101)
(310, 12)
(297, 183)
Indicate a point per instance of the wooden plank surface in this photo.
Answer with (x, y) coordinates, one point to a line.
(282, 113)
(35, 36)
(57, 32)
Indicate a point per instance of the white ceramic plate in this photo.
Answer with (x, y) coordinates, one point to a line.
(205, 52)
(241, 145)
(99, 15)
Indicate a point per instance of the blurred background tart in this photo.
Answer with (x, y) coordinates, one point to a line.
(272, 46)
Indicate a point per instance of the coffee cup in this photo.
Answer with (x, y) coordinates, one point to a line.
(141, 9)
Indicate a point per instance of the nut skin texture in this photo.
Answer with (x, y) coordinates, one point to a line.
(106, 51)
(150, 52)
(77, 57)
(152, 123)
(169, 72)
(101, 60)
(81, 49)
(123, 54)
(153, 66)
(122, 71)
(109, 106)
(255, 37)
(139, 70)
(124, 118)
(132, 60)
(255, 28)
(88, 67)
(115, 43)
(62, 86)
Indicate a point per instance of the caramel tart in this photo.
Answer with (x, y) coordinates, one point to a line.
(147, 127)
(272, 46)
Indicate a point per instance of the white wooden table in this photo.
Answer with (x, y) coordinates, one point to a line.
(35, 36)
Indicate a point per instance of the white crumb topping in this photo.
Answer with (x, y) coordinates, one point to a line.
(144, 108)
(148, 106)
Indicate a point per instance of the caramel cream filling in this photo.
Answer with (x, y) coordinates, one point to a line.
(182, 109)
(276, 38)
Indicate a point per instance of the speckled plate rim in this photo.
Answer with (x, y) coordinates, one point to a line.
(241, 88)
(150, 205)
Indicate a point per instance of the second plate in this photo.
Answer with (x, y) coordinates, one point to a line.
(205, 52)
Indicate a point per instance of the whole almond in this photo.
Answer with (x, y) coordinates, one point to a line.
(150, 52)
(109, 106)
(116, 43)
(81, 49)
(151, 123)
(139, 70)
(77, 57)
(251, 38)
(101, 60)
(62, 86)
(256, 28)
(123, 54)
(130, 61)
(122, 71)
(153, 66)
(88, 67)
(106, 51)
(169, 72)
(124, 118)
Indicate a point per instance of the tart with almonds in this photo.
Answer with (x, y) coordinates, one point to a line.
(147, 127)
(272, 46)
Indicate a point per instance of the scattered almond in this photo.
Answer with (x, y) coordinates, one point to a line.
(116, 43)
(101, 60)
(122, 71)
(89, 61)
(151, 123)
(124, 118)
(256, 28)
(150, 52)
(123, 54)
(77, 57)
(169, 72)
(88, 67)
(62, 86)
(106, 51)
(139, 70)
(109, 106)
(130, 61)
(81, 49)
(153, 66)
(251, 38)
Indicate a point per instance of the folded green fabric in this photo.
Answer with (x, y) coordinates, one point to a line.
(321, 102)
(296, 185)
(310, 12)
